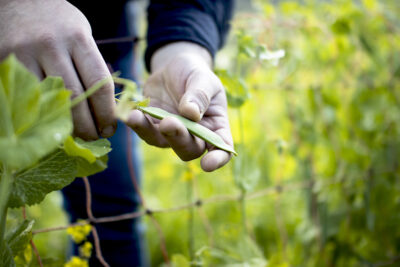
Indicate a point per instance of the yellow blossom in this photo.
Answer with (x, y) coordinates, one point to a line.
(76, 262)
(79, 233)
(85, 250)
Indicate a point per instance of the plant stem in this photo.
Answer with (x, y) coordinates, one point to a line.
(5, 192)
(243, 211)
(90, 91)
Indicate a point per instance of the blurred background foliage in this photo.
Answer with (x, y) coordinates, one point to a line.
(314, 94)
(327, 114)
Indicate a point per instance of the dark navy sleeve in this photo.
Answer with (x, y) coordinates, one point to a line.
(205, 22)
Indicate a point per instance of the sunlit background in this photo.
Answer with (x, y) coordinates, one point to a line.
(314, 94)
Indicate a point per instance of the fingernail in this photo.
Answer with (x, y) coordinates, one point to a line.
(195, 106)
(108, 131)
(192, 111)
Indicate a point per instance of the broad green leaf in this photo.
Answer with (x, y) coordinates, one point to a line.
(194, 128)
(19, 97)
(90, 156)
(35, 117)
(52, 173)
(84, 168)
(98, 148)
(19, 237)
(6, 257)
(74, 149)
(88, 150)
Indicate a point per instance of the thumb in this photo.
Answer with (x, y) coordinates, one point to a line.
(201, 87)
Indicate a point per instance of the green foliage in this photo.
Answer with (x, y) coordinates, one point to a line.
(6, 255)
(34, 159)
(90, 157)
(231, 253)
(19, 237)
(35, 117)
(52, 173)
(327, 116)
(314, 91)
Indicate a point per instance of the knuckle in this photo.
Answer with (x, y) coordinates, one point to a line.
(80, 36)
(106, 89)
(48, 40)
(202, 97)
(75, 90)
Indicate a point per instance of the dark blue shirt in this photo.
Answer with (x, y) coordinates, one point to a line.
(205, 22)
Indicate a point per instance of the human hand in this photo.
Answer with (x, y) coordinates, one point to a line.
(182, 82)
(52, 37)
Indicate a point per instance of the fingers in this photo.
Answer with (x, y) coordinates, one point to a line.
(146, 129)
(185, 145)
(217, 158)
(201, 87)
(170, 132)
(214, 159)
(92, 69)
(58, 63)
(31, 64)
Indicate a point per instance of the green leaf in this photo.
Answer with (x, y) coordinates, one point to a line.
(6, 257)
(19, 97)
(91, 156)
(74, 149)
(237, 92)
(52, 173)
(98, 148)
(35, 117)
(19, 237)
(194, 128)
(84, 168)
(90, 151)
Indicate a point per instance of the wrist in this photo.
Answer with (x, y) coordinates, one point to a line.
(163, 55)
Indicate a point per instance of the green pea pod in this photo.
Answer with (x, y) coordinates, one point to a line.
(194, 128)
